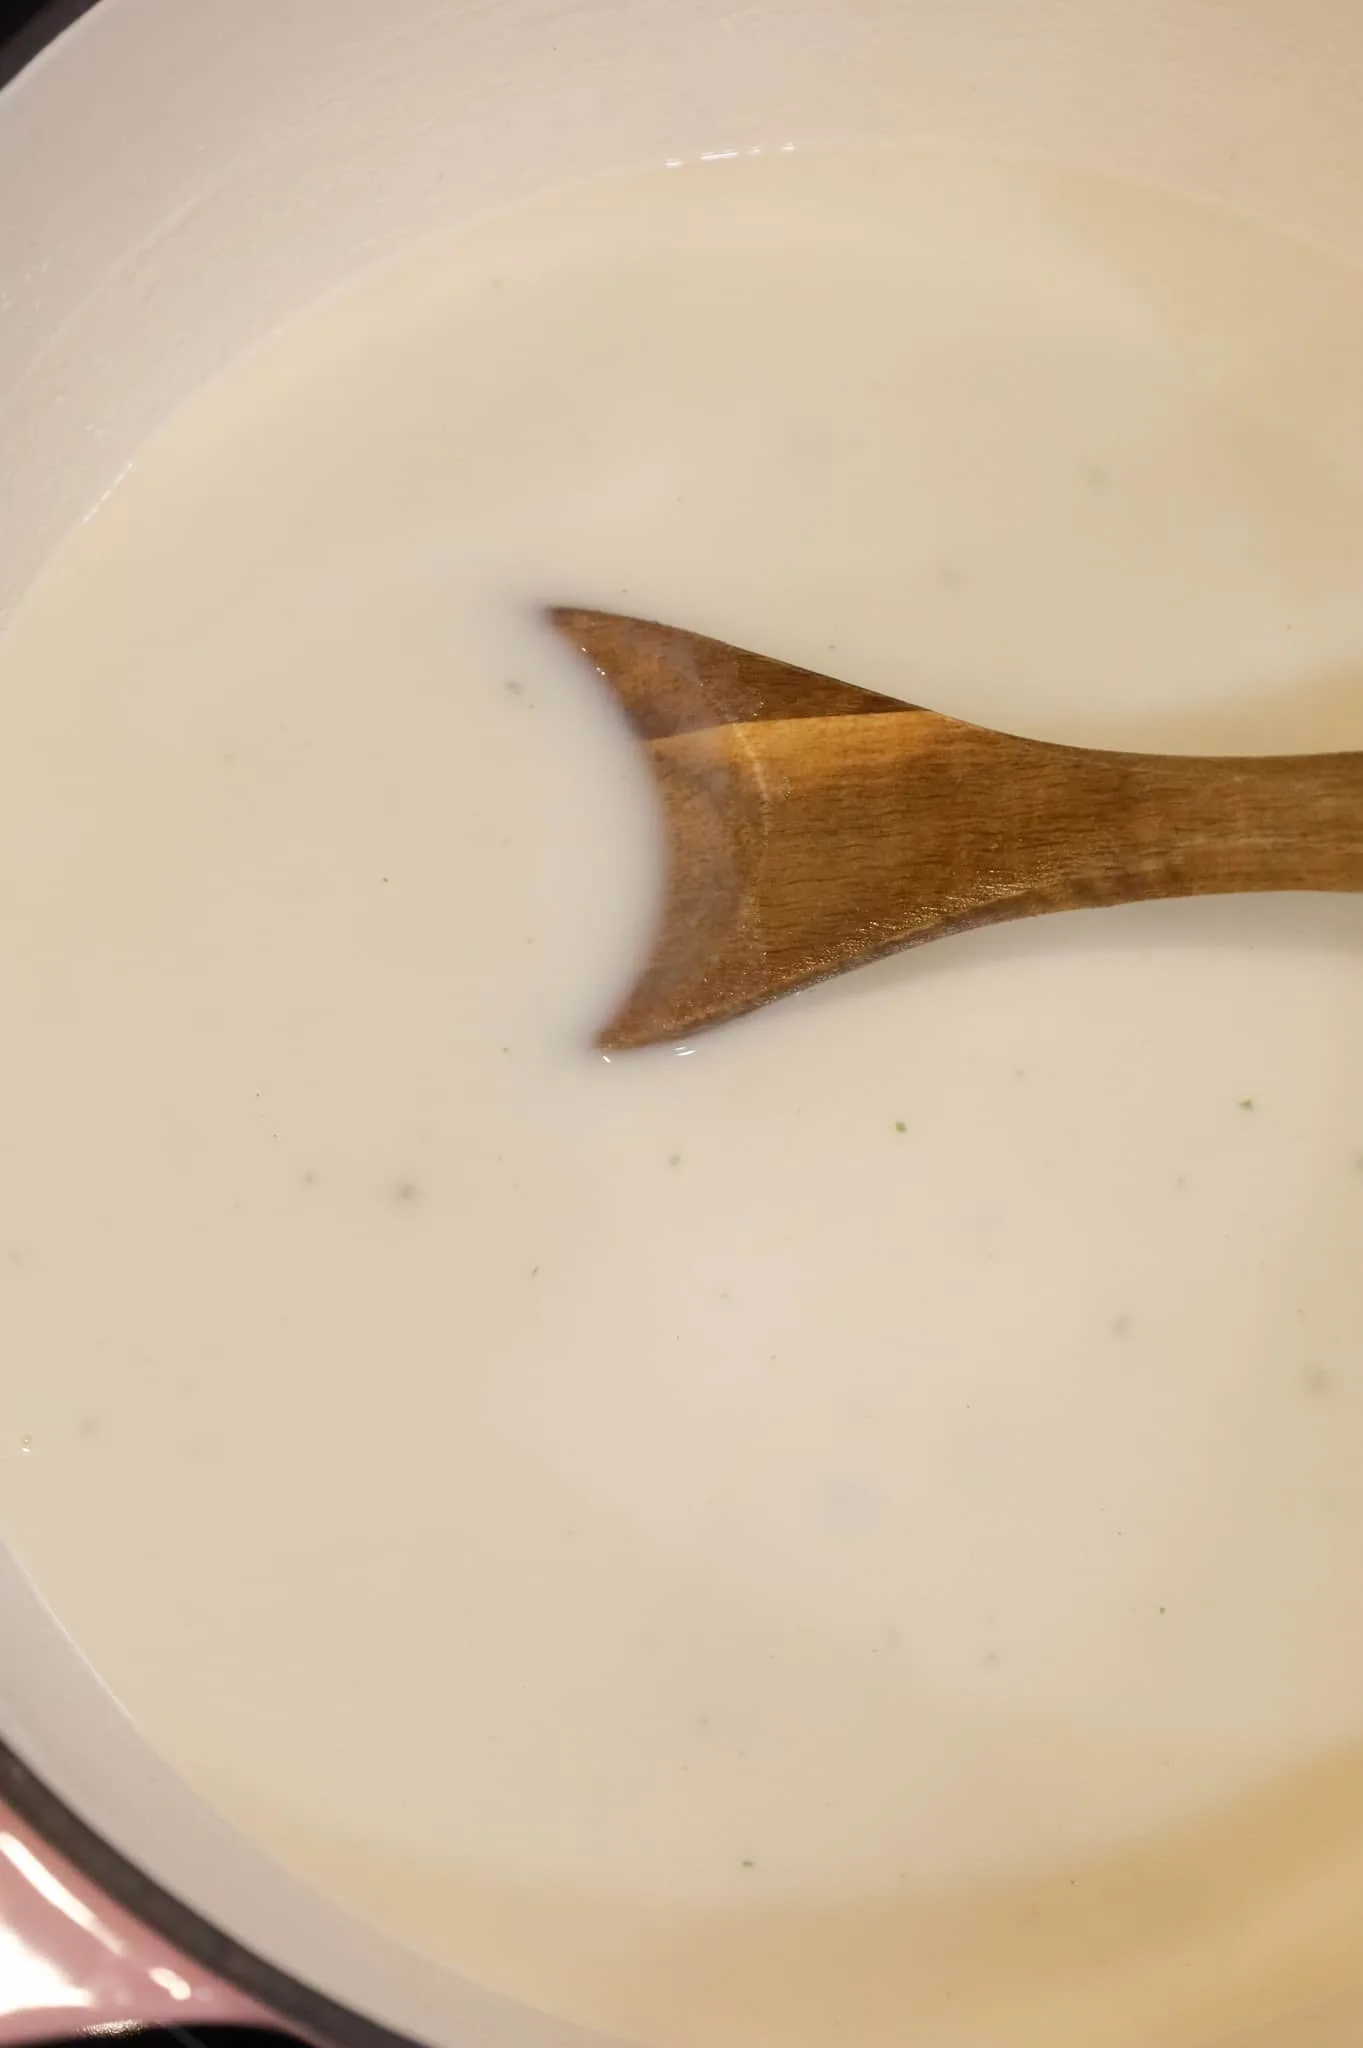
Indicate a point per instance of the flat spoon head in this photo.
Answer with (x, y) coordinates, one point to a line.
(811, 826)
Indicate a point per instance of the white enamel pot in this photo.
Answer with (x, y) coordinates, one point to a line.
(176, 178)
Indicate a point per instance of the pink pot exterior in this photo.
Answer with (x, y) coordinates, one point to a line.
(72, 1962)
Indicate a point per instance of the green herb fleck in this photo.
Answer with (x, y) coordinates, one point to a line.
(901, 1128)
(1246, 1102)
(748, 1863)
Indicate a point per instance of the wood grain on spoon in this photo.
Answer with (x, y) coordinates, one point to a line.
(811, 826)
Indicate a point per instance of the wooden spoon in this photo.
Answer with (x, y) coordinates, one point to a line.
(811, 826)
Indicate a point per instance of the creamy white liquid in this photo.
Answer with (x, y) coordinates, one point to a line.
(851, 1535)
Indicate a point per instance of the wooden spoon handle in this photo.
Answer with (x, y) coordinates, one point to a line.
(997, 819)
(929, 824)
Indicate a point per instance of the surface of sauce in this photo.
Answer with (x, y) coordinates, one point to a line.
(845, 1531)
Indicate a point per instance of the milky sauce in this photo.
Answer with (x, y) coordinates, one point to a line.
(848, 1531)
